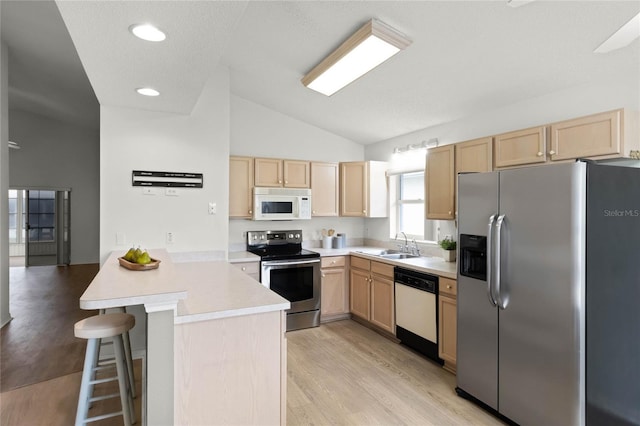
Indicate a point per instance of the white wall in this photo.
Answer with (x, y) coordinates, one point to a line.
(257, 131)
(5, 315)
(153, 141)
(55, 154)
(566, 104)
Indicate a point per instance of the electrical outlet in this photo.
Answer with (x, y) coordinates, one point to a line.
(213, 208)
(148, 191)
(171, 237)
(171, 192)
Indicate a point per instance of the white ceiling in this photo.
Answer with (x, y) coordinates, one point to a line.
(466, 56)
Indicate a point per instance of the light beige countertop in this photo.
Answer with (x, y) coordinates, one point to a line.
(426, 264)
(115, 286)
(243, 256)
(220, 290)
(202, 290)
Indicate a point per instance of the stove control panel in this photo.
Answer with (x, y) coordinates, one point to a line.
(274, 237)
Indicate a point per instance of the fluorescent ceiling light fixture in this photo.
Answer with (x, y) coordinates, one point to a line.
(623, 37)
(367, 48)
(147, 32)
(14, 145)
(147, 91)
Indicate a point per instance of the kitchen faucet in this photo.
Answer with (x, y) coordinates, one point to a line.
(404, 249)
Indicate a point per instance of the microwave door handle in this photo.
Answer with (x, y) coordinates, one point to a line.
(502, 302)
(489, 260)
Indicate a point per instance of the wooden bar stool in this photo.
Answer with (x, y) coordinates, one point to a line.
(127, 352)
(94, 329)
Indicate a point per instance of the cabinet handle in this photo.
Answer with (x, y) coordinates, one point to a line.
(552, 152)
(539, 154)
(448, 286)
(333, 261)
(244, 269)
(313, 211)
(250, 211)
(323, 275)
(279, 181)
(364, 211)
(449, 211)
(286, 181)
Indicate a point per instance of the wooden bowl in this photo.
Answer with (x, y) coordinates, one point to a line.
(154, 264)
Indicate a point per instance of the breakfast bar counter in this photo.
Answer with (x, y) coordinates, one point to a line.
(215, 340)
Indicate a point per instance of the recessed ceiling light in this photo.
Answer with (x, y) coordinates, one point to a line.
(147, 32)
(147, 91)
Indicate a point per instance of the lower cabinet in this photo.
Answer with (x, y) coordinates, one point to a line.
(371, 293)
(334, 288)
(447, 322)
(250, 268)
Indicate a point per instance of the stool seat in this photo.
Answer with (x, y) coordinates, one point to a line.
(101, 326)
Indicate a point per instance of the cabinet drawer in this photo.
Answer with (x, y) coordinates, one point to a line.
(360, 263)
(383, 269)
(448, 286)
(248, 267)
(332, 262)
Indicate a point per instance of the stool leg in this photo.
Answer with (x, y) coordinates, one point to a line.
(85, 386)
(125, 397)
(129, 359)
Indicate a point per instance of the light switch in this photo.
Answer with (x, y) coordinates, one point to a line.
(149, 191)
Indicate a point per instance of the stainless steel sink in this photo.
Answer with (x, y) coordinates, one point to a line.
(398, 256)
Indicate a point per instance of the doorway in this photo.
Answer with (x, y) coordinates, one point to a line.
(39, 227)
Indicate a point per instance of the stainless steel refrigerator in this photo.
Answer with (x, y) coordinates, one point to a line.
(549, 293)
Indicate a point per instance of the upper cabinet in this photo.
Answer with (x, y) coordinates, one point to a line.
(273, 172)
(521, 147)
(324, 189)
(240, 187)
(363, 189)
(474, 156)
(297, 174)
(440, 182)
(608, 134)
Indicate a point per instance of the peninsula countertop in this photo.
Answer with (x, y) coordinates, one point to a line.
(202, 290)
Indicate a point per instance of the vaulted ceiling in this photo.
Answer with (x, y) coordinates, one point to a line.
(466, 56)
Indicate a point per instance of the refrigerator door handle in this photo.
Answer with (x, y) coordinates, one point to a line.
(499, 223)
(492, 219)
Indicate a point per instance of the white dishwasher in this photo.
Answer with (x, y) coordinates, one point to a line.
(416, 296)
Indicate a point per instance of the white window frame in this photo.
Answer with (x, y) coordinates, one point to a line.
(396, 205)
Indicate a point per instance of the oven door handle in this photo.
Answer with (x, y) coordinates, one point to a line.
(289, 262)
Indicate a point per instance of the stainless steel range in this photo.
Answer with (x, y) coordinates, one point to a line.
(291, 271)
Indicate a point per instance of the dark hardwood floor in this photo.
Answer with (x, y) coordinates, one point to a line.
(38, 344)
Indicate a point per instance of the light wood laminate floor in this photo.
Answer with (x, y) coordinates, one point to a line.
(343, 373)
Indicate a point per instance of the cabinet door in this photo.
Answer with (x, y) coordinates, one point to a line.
(360, 292)
(324, 189)
(448, 331)
(332, 293)
(590, 136)
(440, 183)
(296, 174)
(353, 189)
(268, 172)
(474, 156)
(240, 187)
(382, 303)
(526, 146)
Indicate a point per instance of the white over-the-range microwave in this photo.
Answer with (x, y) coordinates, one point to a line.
(281, 204)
